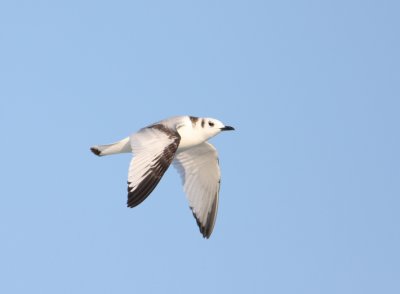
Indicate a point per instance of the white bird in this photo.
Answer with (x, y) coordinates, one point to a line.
(181, 140)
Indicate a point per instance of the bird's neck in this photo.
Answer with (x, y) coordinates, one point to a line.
(191, 136)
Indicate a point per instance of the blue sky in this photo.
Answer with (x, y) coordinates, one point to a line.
(310, 191)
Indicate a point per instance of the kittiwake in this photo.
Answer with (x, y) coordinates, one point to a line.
(182, 141)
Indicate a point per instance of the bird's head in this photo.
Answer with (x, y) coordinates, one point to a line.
(212, 127)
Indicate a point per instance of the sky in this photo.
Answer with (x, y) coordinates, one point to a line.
(309, 201)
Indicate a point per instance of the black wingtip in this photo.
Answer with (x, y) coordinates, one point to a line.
(140, 193)
(204, 230)
(95, 151)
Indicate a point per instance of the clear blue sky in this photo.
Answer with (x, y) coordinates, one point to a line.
(310, 191)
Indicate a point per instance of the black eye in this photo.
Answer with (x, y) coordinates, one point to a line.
(210, 123)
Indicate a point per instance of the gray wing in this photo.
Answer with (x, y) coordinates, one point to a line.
(199, 170)
(153, 151)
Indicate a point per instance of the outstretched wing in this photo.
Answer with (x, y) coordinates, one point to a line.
(199, 170)
(153, 150)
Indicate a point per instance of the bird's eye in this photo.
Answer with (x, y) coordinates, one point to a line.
(210, 123)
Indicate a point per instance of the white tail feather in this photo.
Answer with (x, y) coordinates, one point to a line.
(123, 146)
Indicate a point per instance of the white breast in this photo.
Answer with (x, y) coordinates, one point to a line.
(190, 137)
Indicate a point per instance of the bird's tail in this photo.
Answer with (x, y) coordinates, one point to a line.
(123, 146)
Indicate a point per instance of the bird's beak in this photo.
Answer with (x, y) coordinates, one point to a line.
(227, 128)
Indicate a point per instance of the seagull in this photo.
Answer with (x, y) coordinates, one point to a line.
(182, 141)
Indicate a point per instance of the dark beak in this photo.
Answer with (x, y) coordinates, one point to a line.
(227, 128)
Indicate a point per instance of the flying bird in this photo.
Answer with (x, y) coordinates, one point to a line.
(182, 141)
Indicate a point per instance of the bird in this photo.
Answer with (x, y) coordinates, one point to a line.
(182, 141)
